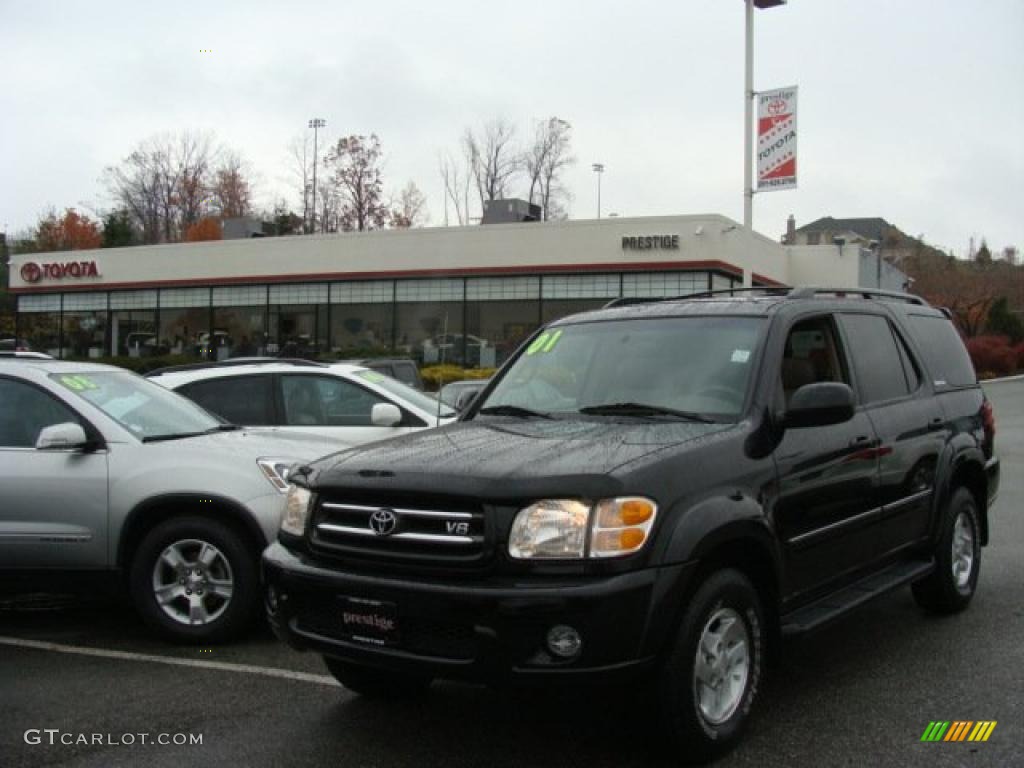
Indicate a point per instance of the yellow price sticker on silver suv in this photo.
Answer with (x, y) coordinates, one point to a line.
(78, 383)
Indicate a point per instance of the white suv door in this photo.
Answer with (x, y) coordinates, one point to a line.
(53, 503)
(332, 406)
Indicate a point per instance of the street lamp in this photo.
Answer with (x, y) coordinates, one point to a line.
(316, 123)
(748, 122)
(598, 169)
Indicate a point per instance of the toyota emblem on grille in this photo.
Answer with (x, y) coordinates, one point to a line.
(383, 522)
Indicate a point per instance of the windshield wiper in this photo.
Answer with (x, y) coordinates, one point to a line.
(642, 409)
(514, 410)
(182, 435)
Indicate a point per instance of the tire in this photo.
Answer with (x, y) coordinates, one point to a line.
(189, 562)
(375, 683)
(724, 613)
(950, 587)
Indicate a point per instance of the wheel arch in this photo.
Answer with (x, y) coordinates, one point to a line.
(153, 511)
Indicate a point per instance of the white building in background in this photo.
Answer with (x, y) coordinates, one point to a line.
(471, 293)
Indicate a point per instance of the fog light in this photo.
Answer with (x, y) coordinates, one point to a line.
(565, 642)
(272, 599)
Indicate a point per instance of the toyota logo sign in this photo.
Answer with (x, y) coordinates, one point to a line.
(31, 272)
(383, 522)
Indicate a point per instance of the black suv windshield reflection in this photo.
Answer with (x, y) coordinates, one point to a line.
(695, 368)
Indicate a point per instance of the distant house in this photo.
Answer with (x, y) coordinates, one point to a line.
(827, 229)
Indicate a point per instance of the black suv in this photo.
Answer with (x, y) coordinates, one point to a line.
(653, 490)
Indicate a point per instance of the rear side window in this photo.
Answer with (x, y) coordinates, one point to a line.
(876, 358)
(245, 400)
(944, 353)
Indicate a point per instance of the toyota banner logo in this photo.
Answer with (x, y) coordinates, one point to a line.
(383, 522)
(31, 272)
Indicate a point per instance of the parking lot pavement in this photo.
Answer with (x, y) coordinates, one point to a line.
(860, 692)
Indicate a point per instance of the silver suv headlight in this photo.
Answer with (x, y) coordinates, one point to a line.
(569, 529)
(296, 510)
(276, 471)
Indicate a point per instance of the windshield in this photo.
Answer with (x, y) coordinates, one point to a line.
(681, 367)
(145, 409)
(405, 392)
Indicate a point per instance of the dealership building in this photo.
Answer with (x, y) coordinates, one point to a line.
(462, 294)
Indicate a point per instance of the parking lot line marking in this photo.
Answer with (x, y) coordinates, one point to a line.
(251, 669)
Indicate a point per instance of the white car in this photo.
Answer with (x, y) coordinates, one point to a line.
(340, 401)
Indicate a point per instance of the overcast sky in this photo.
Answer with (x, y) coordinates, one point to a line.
(912, 109)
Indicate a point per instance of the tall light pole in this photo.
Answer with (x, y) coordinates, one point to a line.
(748, 126)
(598, 169)
(316, 123)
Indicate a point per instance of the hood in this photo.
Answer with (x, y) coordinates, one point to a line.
(258, 443)
(507, 458)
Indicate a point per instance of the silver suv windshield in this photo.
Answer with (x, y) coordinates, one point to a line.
(695, 368)
(145, 409)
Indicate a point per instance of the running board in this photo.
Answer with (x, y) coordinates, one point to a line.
(835, 605)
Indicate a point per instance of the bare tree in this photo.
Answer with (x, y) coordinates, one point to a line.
(356, 179)
(411, 210)
(457, 183)
(232, 190)
(545, 160)
(300, 151)
(493, 159)
(164, 184)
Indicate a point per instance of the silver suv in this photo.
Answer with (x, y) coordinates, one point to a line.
(101, 470)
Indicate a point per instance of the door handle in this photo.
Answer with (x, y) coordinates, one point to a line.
(935, 424)
(860, 440)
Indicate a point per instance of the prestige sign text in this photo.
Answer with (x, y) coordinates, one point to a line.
(650, 242)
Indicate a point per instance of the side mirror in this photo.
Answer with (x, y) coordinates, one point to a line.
(818, 405)
(61, 437)
(385, 415)
(465, 400)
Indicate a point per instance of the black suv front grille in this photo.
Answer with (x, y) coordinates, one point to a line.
(400, 529)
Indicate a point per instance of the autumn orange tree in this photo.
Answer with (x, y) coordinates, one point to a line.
(207, 228)
(70, 232)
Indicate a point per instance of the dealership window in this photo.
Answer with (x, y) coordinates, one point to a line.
(362, 318)
(428, 327)
(240, 321)
(185, 321)
(722, 282)
(567, 294)
(84, 330)
(39, 322)
(133, 331)
(664, 284)
(298, 320)
(501, 312)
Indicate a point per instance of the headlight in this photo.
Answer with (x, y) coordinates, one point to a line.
(561, 529)
(276, 471)
(621, 526)
(296, 511)
(555, 528)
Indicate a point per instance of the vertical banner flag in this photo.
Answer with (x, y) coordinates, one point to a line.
(776, 139)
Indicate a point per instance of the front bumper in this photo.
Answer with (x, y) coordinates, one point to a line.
(483, 632)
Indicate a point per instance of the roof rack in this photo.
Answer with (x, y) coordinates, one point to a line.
(236, 361)
(781, 291)
(772, 290)
(810, 291)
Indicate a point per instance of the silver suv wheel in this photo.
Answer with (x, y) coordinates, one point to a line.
(192, 582)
